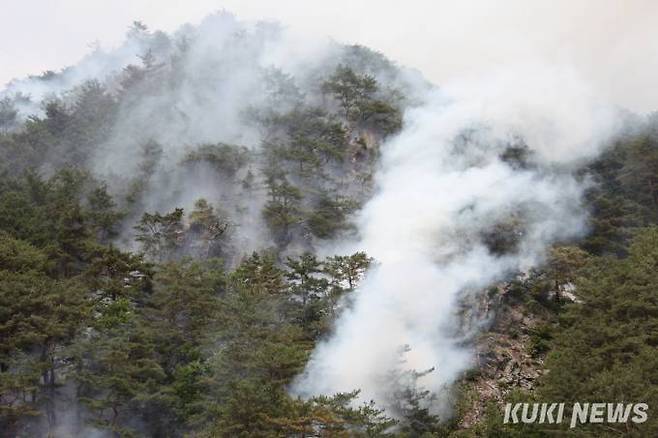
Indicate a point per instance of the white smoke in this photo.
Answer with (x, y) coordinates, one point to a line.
(435, 198)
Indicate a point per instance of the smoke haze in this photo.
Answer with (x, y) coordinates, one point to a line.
(611, 43)
(442, 185)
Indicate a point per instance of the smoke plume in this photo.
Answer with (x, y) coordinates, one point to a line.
(477, 159)
(445, 183)
(201, 85)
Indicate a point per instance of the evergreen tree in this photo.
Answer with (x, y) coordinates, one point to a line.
(160, 235)
(350, 89)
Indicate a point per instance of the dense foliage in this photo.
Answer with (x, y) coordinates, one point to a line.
(603, 346)
(123, 318)
(127, 321)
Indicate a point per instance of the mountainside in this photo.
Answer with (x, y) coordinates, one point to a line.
(227, 231)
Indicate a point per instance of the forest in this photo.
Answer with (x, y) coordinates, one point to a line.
(166, 266)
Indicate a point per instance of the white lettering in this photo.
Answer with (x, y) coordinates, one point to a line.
(597, 412)
(546, 413)
(619, 414)
(525, 417)
(512, 412)
(579, 413)
(640, 411)
(560, 413)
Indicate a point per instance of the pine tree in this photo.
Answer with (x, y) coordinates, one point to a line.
(350, 89)
(160, 235)
(207, 229)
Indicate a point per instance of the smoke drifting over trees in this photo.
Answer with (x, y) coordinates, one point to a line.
(229, 231)
(446, 181)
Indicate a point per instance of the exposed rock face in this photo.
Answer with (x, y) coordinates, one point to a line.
(504, 360)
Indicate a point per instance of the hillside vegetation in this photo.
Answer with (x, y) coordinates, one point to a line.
(134, 301)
